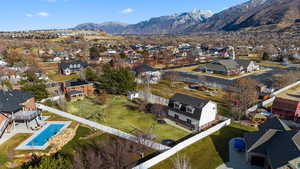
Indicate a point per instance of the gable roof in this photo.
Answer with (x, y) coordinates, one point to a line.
(279, 146)
(143, 68)
(222, 65)
(243, 62)
(67, 65)
(189, 100)
(10, 100)
(186, 100)
(285, 104)
(274, 123)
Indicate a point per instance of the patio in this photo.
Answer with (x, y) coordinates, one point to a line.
(21, 128)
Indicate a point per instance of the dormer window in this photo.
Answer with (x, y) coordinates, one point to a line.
(177, 105)
(190, 109)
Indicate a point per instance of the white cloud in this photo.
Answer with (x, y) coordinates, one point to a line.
(44, 14)
(127, 11)
(29, 15)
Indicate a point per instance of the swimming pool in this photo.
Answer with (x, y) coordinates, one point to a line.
(42, 138)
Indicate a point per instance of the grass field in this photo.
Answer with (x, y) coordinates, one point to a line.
(211, 151)
(10, 145)
(62, 78)
(120, 113)
(165, 89)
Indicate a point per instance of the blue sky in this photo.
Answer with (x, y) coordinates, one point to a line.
(45, 14)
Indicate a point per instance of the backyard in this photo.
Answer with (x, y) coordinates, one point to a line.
(169, 89)
(122, 114)
(8, 152)
(211, 151)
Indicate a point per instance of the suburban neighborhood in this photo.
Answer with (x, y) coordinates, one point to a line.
(205, 89)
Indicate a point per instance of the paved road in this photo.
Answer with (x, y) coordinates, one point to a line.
(225, 83)
(237, 160)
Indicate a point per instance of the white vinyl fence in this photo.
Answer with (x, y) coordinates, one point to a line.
(155, 160)
(266, 102)
(106, 129)
(149, 97)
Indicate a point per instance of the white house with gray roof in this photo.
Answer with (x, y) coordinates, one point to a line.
(192, 112)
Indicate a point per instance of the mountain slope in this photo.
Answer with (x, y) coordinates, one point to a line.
(109, 27)
(171, 24)
(253, 14)
(176, 23)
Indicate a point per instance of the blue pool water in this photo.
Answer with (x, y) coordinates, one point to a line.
(44, 136)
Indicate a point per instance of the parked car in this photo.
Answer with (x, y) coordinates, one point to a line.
(168, 142)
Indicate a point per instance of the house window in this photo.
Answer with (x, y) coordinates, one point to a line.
(177, 105)
(298, 165)
(189, 121)
(190, 109)
(176, 116)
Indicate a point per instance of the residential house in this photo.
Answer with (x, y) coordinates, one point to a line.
(68, 68)
(16, 106)
(78, 89)
(147, 74)
(192, 112)
(287, 109)
(224, 67)
(247, 65)
(274, 146)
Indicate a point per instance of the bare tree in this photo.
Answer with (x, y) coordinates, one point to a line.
(181, 162)
(245, 94)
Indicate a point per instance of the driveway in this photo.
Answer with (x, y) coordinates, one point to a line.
(237, 159)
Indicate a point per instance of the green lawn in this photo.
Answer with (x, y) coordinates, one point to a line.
(61, 78)
(211, 151)
(166, 89)
(120, 113)
(10, 145)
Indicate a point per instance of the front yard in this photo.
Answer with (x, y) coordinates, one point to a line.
(122, 114)
(211, 151)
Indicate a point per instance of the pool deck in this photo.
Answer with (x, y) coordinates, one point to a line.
(20, 128)
(24, 146)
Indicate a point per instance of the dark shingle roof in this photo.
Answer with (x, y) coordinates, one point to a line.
(243, 62)
(276, 141)
(76, 82)
(10, 100)
(144, 68)
(186, 100)
(222, 65)
(274, 123)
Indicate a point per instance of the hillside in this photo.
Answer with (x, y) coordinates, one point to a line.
(273, 14)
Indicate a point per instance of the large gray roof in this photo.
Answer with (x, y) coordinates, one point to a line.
(276, 141)
(10, 100)
(186, 100)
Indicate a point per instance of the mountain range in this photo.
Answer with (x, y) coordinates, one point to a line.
(254, 15)
(171, 24)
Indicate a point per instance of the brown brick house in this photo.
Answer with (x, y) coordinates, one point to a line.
(16, 105)
(78, 89)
